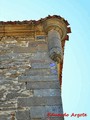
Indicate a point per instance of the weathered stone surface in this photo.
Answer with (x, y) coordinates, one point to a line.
(43, 85)
(36, 46)
(14, 94)
(54, 109)
(47, 92)
(41, 70)
(29, 83)
(42, 48)
(38, 72)
(38, 112)
(42, 112)
(38, 78)
(23, 115)
(25, 49)
(10, 91)
(3, 117)
(8, 104)
(37, 101)
(40, 65)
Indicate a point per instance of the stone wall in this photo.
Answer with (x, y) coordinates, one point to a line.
(29, 84)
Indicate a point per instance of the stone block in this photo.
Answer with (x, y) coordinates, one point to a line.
(40, 65)
(43, 85)
(37, 112)
(25, 49)
(41, 71)
(40, 56)
(42, 47)
(23, 115)
(3, 117)
(38, 78)
(54, 100)
(54, 109)
(14, 95)
(38, 72)
(47, 92)
(42, 112)
(8, 104)
(39, 101)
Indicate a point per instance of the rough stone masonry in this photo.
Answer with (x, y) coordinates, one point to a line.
(31, 61)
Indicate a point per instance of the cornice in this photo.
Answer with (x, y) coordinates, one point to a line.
(35, 22)
(31, 28)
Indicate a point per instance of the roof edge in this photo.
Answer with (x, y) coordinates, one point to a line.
(34, 21)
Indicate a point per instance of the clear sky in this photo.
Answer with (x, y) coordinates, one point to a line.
(76, 70)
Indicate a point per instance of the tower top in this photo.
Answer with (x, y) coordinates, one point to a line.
(33, 30)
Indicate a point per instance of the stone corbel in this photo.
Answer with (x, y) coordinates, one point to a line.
(56, 30)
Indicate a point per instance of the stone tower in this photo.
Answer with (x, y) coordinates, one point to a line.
(31, 61)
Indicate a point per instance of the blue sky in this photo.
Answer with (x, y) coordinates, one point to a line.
(76, 70)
